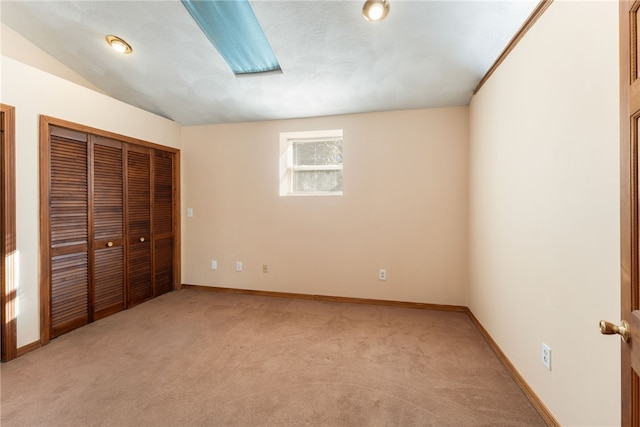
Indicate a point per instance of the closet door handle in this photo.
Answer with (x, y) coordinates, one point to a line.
(142, 239)
(109, 244)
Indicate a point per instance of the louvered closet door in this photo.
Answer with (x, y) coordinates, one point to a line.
(69, 236)
(108, 294)
(138, 212)
(163, 230)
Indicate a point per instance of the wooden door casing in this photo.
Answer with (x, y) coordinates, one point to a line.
(8, 327)
(629, 209)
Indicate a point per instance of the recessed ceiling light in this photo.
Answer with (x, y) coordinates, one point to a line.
(375, 10)
(118, 44)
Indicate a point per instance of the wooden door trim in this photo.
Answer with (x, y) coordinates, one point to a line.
(99, 132)
(629, 236)
(533, 17)
(177, 274)
(45, 233)
(9, 346)
(45, 229)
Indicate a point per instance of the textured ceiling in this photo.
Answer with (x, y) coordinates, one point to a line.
(424, 54)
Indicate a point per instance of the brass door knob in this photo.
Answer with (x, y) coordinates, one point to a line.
(142, 239)
(608, 328)
(109, 244)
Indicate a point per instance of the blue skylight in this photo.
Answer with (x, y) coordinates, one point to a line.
(235, 32)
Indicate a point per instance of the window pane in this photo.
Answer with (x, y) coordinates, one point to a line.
(317, 181)
(313, 153)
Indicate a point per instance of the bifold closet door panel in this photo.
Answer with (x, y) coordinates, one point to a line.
(110, 242)
(108, 229)
(69, 225)
(163, 221)
(138, 213)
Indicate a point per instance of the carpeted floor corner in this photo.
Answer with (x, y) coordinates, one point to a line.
(197, 358)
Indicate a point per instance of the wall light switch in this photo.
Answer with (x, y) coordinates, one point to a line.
(238, 266)
(214, 264)
(546, 356)
(189, 212)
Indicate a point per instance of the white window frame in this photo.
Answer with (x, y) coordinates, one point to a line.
(287, 168)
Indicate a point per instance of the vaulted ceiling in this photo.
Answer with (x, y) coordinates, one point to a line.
(424, 54)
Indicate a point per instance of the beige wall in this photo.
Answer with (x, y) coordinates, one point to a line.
(34, 92)
(14, 46)
(404, 209)
(544, 229)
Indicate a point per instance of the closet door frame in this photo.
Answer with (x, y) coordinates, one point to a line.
(45, 229)
(8, 345)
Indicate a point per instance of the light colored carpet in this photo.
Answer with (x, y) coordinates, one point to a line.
(196, 358)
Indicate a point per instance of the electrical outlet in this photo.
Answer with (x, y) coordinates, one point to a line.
(265, 268)
(382, 275)
(238, 266)
(214, 264)
(546, 356)
(190, 212)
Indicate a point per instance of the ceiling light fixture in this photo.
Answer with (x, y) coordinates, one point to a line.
(233, 29)
(118, 44)
(375, 10)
